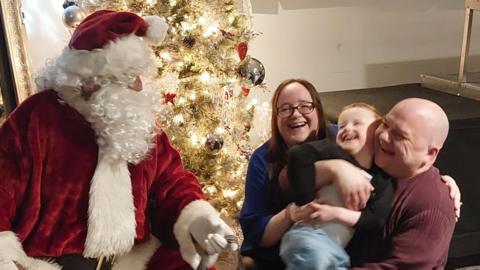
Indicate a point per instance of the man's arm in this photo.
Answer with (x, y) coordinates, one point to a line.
(15, 174)
(173, 188)
(419, 243)
(351, 181)
(181, 208)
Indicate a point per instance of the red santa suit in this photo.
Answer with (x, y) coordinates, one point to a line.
(61, 196)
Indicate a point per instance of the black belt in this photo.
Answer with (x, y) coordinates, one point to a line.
(78, 262)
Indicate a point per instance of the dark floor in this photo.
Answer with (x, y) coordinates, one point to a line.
(384, 98)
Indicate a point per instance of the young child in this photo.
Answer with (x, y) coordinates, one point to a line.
(320, 246)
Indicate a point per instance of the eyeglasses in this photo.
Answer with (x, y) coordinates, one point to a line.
(287, 110)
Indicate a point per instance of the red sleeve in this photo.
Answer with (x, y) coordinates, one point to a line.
(420, 242)
(173, 188)
(14, 172)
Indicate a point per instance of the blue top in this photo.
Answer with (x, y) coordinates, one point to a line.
(255, 212)
(258, 206)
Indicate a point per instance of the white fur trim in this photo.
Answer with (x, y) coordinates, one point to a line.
(157, 29)
(111, 212)
(138, 257)
(126, 55)
(10, 247)
(11, 250)
(181, 229)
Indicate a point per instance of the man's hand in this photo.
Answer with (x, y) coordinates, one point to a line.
(214, 236)
(352, 182)
(454, 193)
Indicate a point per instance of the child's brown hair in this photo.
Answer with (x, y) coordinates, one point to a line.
(369, 107)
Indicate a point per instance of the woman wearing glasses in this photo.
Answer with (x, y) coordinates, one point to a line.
(297, 117)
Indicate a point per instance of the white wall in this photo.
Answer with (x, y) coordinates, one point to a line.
(351, 44)
(336, 44)
(46, 34)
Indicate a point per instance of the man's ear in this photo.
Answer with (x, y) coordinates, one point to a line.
(432, 154)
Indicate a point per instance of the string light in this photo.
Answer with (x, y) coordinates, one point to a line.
(212, 29)
(194, 139)
(205, 76)
(178, 119)
(229, 193)
(166, 56)
(151, 2)
(182, 101)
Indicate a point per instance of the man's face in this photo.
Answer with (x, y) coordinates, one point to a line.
(401, 144)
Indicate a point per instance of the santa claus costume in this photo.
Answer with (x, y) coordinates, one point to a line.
(81, 162)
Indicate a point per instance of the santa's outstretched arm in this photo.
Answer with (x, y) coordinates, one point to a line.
(182, 210)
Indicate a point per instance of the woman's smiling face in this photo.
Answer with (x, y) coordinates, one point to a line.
(296, 128)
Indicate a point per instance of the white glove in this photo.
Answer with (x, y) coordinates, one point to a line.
(213, 235)
(7, 265)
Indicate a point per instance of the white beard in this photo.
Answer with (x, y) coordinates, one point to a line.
(123, 119)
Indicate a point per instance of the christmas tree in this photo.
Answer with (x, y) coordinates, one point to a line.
(205, 76)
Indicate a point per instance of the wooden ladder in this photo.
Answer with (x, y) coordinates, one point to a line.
(470, 6)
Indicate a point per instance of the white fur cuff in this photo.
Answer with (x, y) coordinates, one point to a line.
(181, 229)
(11, 250)
(139, 256)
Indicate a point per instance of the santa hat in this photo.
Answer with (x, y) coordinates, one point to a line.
(105, 26)
(114, 43)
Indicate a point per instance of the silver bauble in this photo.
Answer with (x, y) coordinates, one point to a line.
(252, 70)
(73, 15)
(214, 143)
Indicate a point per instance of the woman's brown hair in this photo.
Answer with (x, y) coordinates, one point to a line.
(278, 148)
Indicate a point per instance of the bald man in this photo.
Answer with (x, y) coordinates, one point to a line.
(421, 222)
(422, 218)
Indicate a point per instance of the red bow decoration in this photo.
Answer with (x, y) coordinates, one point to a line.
(169, 98)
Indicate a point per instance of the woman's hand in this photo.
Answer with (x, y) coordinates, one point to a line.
(298, 213)
(454, 193)
(352, 182)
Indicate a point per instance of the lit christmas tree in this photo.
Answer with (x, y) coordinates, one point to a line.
(205, 76)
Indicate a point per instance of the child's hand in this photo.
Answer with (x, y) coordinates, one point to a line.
(325, 213)
(322, 212)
